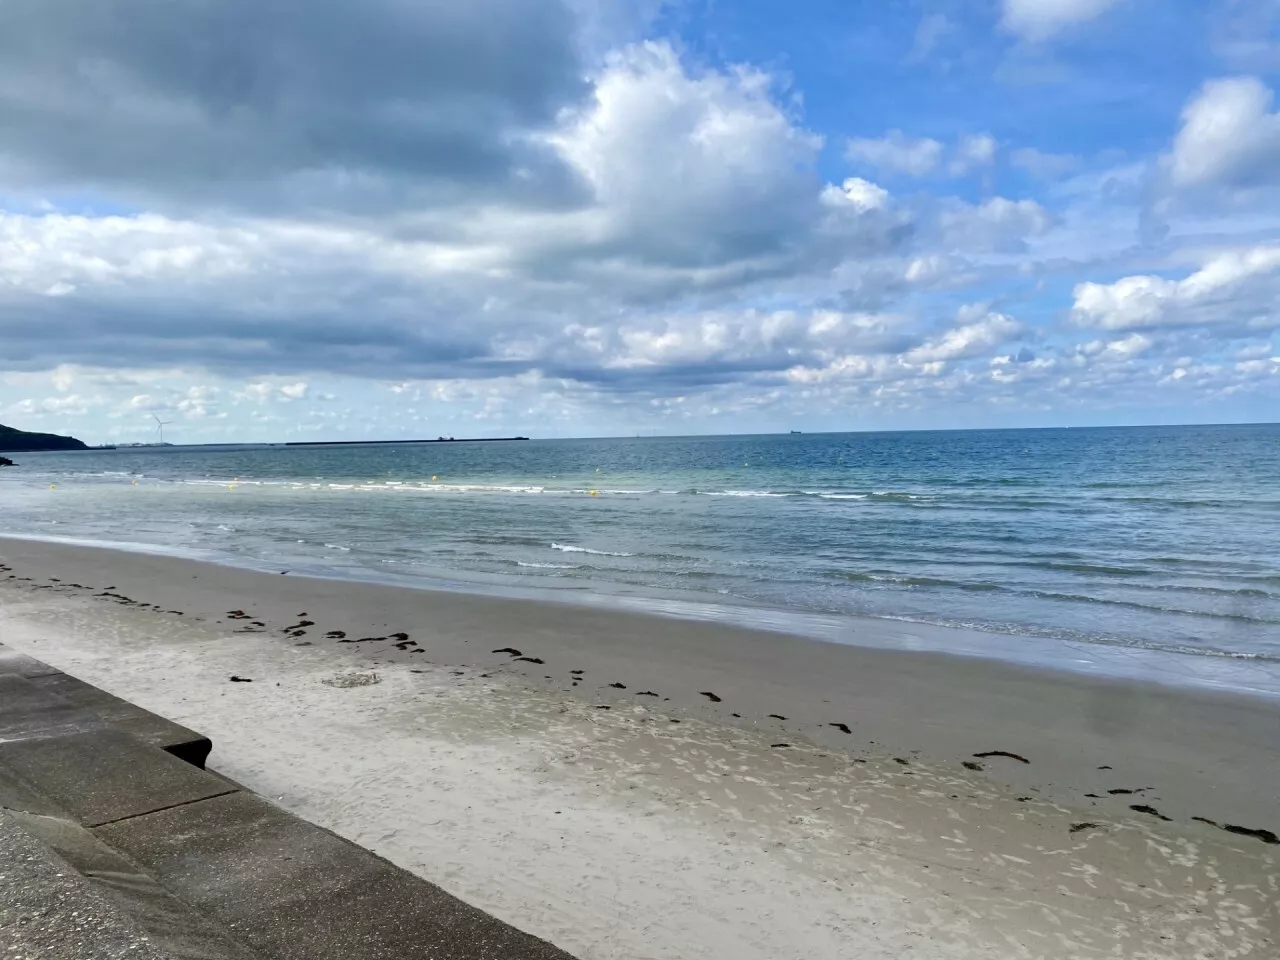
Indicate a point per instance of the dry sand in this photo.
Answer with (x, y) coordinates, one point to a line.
(665, 826)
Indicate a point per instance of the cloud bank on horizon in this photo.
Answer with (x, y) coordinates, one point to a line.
(566, 217)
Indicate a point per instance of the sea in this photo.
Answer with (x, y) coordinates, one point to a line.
(1144, 551)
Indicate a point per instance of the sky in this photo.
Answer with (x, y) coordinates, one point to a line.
(269, 220)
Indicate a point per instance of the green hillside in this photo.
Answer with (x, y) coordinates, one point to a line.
(19, 441)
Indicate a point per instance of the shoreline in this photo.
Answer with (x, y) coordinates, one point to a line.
(565, 767)
(1245, 675)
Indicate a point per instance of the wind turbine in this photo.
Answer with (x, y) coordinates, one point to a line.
(160, 425)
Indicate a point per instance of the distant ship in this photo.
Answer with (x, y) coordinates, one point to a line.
(796, 431)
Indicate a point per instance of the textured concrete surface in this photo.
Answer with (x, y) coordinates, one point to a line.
(13, 662)
(105, 775)
(295, 892)
(171, 926)
(27, 710)
(114, 842)
(50, 912)
(183, 743)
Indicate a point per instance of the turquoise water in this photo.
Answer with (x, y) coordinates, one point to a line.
(1164, 539)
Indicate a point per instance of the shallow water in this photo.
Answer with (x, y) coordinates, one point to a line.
(1161, 538)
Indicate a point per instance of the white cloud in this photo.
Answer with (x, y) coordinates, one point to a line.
(862, 195)
(973, 152)
(294, 391)
(1044, 166)
(146, 403)
(1237, 289)
(969, 338)
(1129, 347)
(1038, 20)
(998, 224)
(895, 152)
(1229, 137)
(688, 168)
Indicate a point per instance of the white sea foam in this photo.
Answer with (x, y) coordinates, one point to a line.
(548, 566)
(570, 548)
(741, 493)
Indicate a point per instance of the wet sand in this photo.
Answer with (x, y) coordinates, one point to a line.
(633, 786)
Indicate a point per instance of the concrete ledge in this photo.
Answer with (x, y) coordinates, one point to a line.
(183, 743)
(48, 911)
(104, 775)
(207, 870)
(13, 662)
(296, 892)
(170, 926)
(26, 710)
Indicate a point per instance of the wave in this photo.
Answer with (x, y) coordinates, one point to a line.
(909, 581)
(570, 548)
(548, 566)
(740, 493)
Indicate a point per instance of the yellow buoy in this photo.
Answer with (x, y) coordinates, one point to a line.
(53, 486)
(594, 493)
(434, 478)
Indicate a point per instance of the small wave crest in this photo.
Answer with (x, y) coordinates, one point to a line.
(570, 548)
(547, 566)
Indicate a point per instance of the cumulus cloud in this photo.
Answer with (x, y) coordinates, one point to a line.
(1229, 137)
(896, 152)
(243, 209)
(316, 103)
(972, 153)
(972, 336)
(687, 169)
(690, 182)
(996, 225)
(1038, 20)
(1236, 289)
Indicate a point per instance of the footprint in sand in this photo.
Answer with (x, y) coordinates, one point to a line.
(710, 696)
(335, 635)
(972, 765)
(531, 659)
(777, 716)
(511, 650)
(842, 727)
(618, 686)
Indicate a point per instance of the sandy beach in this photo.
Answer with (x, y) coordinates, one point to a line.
(630, 786)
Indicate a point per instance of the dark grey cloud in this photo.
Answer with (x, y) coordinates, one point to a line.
(269, 102)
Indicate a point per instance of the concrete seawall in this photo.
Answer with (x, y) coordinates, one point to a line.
(190, 861)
